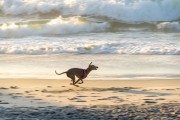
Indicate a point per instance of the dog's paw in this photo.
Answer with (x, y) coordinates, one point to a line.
(80, 83)
(76, 85)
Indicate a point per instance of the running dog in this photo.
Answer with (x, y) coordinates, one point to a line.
(79, 73)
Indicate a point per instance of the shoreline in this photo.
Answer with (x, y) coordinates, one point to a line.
(111, 66)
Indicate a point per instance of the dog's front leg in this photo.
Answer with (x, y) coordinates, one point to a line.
(77, 81)
(81, 82)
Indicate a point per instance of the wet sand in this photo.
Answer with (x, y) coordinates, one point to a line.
(95, 99)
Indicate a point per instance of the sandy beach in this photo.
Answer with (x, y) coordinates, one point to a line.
(95, 99)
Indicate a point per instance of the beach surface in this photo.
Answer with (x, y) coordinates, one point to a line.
(135, 44)
(95, 99)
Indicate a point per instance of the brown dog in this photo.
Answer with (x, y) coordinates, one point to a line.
(79, 73)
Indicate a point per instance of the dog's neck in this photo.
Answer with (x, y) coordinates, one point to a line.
(88, 70)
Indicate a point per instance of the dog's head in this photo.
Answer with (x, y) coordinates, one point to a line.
(92, 67)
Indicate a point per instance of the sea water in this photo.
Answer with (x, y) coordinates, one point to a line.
(127, 39)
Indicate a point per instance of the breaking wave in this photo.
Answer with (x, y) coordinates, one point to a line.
(77, 24)
(124, 10)
(58, 26)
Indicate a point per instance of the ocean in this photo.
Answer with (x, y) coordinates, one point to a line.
(127, 39)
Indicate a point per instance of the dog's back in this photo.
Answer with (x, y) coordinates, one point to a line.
(78, 72)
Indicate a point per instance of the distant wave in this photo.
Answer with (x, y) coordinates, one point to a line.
(88, 45)
(124, 10)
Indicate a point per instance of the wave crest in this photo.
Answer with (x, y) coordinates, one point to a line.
(126, 10)
(169, 26)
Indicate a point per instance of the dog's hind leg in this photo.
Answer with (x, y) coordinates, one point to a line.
(72, 77)
(73, 81)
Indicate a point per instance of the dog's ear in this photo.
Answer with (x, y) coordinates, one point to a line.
(90, 63)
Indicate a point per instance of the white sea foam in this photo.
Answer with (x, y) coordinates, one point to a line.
(127, 10)
(56, 26)
(92, 45)
(169, 26)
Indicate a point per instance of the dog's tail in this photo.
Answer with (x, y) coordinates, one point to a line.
(60, 73)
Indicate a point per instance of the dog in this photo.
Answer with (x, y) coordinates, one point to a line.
(79, 73)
